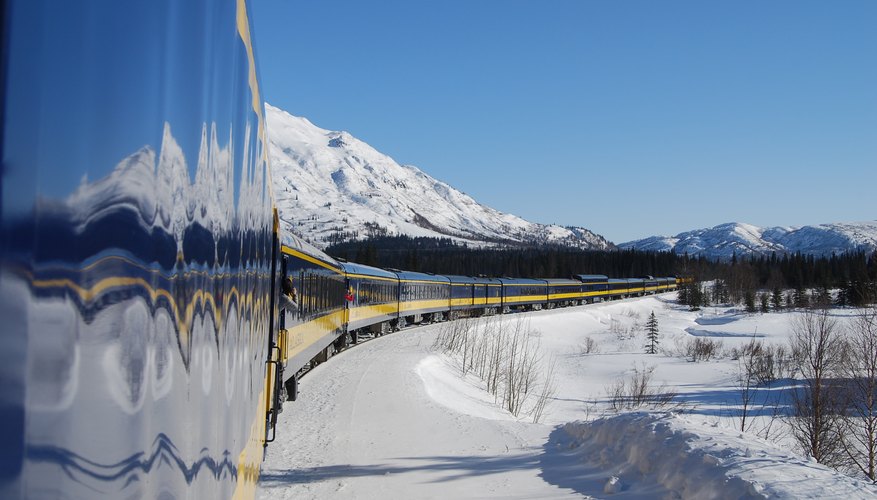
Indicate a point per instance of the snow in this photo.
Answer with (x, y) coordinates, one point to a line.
(394, 418)
(329, 184)
(724, 240)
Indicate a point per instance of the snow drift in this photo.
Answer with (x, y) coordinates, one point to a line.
(698, 460)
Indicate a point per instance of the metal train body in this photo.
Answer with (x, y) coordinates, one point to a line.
(143, 351)
(137, 281)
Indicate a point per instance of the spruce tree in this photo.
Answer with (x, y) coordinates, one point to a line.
(652, 334)
(749, 301)
(765, 301)
(776, 298)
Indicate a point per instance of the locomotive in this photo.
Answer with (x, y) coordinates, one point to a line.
(144, 353)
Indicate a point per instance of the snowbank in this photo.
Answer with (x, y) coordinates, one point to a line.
(689, 459)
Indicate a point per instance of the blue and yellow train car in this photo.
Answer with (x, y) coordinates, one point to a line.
(564, 292)
(636, 287)
(520, 293)
(487, 294)
(650, 285)
(474, 296)
(618, 288)
(372, 299)
(462, 294)
(666, 284)
(313, 328)
(594, 286)
(422, 297)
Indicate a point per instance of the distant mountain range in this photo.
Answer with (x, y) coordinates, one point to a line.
(725, 240)
(332, 187)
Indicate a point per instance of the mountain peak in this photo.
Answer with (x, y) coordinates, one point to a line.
(337, 141)
(725, 240)
(333, 187)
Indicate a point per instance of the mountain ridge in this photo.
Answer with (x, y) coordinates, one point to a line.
(725, 240)
(332, 187)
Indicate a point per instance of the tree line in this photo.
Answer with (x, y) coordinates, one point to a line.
(444, 256)
(763, 283)
(758, 281)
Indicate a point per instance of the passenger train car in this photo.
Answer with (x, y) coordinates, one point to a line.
(145, 351)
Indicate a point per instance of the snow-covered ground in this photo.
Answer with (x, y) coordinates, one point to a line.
(394, 418)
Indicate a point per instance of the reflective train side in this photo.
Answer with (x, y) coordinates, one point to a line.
(137, 287)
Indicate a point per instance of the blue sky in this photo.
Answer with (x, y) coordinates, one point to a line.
(629, 118)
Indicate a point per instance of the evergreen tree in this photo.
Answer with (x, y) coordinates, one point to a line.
(652, 334)
(776, 298)
(802, 299)
(749, 301)
(765, 301)
(695, 296)
(704, 296)
(823, 297)
(720, 292)
(842, 296)
(683, 295)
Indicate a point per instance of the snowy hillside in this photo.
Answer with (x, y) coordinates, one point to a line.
(724, 240)
(395, 418)
(330, 186)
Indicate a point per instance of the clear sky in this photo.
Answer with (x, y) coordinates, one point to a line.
(629, 118)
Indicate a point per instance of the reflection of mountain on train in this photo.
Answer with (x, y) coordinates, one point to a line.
(331, 186)
(149, 290)
(157, 188)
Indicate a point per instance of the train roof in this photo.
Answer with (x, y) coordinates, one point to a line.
(413, 276)
(292, 244)
(472, 279)
(590, 278)
(562, 281)
(521, 281)
(354, 268)
(460, 279)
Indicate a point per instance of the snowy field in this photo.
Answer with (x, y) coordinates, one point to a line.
(395, 418)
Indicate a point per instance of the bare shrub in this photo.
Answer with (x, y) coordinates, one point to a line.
(758, 365)
(506, 355)
(619, 330)
(702, 349)
(765, 363)
(859, 369)
(548, 390)
(637, 391)
(816, 404)
(632, 313)
(589, 346)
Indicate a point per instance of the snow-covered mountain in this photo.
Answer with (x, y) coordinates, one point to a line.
(724, 240)
(330, 187)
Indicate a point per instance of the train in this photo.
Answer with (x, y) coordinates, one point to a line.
(143, 349)
(341, 302)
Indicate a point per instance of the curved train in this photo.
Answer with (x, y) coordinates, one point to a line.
(342, 301)
(142, 348)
